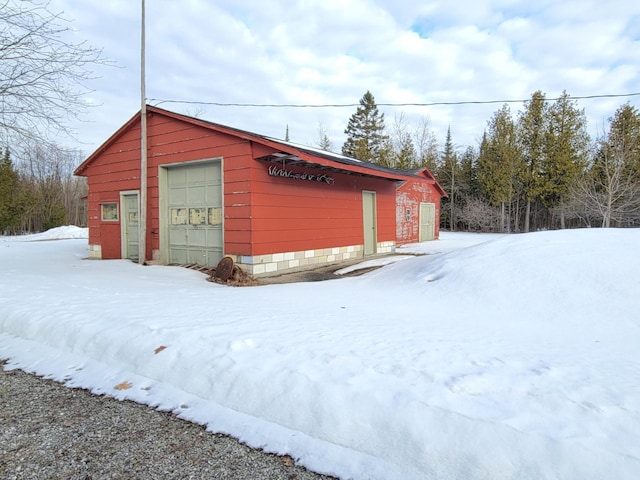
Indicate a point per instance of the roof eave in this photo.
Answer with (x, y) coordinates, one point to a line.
(292, 154)
(299, 158)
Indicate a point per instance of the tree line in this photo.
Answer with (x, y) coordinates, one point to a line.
(537, 169)
(42, 76)
(40, 191)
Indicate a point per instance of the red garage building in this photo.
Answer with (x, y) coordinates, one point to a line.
(272, 206)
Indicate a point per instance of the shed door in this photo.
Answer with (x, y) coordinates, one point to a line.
(195, 214)
(130, 232)
(427, 221)
(369, 222)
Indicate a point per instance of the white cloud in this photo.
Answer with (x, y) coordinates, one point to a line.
(332, 51)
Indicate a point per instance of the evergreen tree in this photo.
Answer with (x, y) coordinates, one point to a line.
(447, 176)
(468, 175)
(11, 208)
(404, 152)
(386, 154)
(467, 188)
(500, 165)
(567, 147)
(323, 142)
(532, 128)
(426, 146)
(624, 134)
(366, 139)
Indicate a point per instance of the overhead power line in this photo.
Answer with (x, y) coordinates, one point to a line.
(159, 101)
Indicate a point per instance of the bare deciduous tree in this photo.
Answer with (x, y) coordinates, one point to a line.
(323, 142)
(42, 73)
(610, 191)
(46, 172)
(404, 152)
(479, 216)
(426, 144)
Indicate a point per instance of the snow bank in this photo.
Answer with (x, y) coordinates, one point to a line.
(515, 357)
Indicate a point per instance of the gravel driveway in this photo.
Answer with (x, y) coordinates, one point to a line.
(48, 431)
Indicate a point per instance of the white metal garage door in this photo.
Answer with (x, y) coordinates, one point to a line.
(195, 214)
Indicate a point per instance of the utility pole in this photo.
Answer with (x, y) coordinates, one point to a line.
(142, 221)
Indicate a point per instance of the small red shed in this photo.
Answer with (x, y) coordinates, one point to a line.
(418, 207)
(272, 206)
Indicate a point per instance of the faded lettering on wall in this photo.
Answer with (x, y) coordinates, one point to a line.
(275, 171)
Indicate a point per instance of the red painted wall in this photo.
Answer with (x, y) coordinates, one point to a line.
(294, 214)
(409, 195)
(107, 175)
(263, 214)
(117, 168)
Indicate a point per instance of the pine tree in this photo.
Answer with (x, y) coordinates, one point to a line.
(404, 152)
(426, 145)
(386, 154)
(447, 174)
(467, 188)
(468, 174)
(323, 142)
(366, 138)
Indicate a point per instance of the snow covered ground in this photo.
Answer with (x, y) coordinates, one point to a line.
(492, 357)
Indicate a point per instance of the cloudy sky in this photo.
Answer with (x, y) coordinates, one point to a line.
(332, 51)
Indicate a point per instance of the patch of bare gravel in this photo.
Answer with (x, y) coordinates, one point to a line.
(49, 431)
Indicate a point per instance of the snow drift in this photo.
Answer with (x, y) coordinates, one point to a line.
(491, 357)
